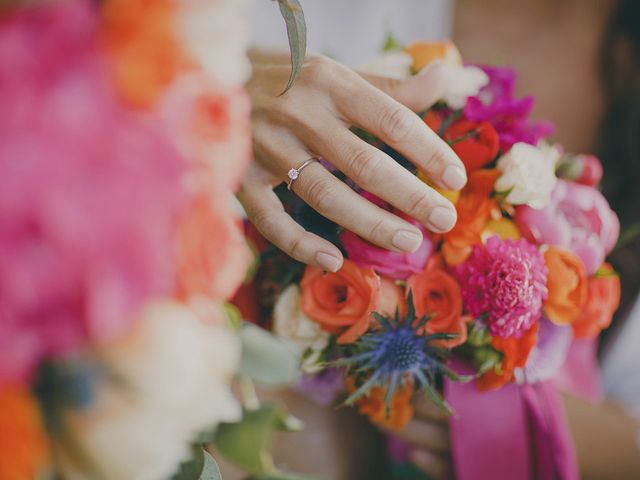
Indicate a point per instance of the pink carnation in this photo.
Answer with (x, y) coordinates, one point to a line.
(89, 194)
(504, 282)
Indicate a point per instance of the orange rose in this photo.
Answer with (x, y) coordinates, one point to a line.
(603, 301)
(24, 447)
(515, 353)
(474, 209)
(341, 302)
(423, 53)
(374, 406)
(213, 256)
(567, 285)
(437, 294)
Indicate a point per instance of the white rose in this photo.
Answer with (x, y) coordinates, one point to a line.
(461, 83)
(167, 382)
(528, 174)
(393, 64)
(291, 324)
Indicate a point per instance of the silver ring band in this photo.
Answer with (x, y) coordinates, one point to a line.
(294, 173)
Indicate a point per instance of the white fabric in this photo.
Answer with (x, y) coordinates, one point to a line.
(353, 31)
(621, 363)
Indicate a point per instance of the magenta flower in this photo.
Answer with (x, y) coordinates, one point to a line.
(89, 194)
(497, 104)
(396, 265)
(504, 283)
(579, 218)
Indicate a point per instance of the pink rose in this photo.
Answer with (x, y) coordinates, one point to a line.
(396, 265)
(578, 218)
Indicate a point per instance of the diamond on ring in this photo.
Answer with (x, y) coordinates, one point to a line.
(294, 173)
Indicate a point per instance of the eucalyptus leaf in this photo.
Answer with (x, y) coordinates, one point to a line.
(210, 471)
(245, 443)
(293, 15)
(267, 359)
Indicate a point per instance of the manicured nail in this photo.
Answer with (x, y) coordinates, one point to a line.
(442, 219)
(328, 262)
(407, 241)
(454, 177)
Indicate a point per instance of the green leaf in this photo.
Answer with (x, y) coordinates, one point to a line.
(293, 15)
(245, 443)
(391, 43)
(628, 236)
(282, 476)
(267, 359)
(192, 469)
(210, 470)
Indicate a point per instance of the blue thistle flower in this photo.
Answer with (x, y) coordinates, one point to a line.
(396, 354)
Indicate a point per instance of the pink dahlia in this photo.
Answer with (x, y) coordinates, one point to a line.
(504, 282)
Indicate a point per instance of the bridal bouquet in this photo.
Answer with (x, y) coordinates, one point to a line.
(497, 300)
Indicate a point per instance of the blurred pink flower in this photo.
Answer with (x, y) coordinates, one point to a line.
(89, 194)
(579, 218)
(396, 265)
(504, 283)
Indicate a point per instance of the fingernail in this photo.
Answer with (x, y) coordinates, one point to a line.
(442, 219)
(407, 241)
(328, 262)
(454, 177)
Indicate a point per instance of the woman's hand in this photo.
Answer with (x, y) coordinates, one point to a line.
(313, 120)
(428, 436)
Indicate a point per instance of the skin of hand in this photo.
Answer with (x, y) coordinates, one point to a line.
(312, 120)
(428, 435)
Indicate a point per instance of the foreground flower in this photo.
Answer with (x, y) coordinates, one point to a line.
(567, 285)
(291, 324)
(603, 301)
(24, 449)
(583, 169)
(504, 283)
(528, 175)
(171, 384)
(89, 194)
(436, 294)
(396, 265)
(341, 302)
(396, 356)
(392, 64)
(394, 416)
(578, 218)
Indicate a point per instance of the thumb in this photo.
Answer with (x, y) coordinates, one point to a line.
(418, 92)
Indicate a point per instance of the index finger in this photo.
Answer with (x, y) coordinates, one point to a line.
(376, 112)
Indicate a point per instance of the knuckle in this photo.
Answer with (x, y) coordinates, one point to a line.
(318, 67)
(419, 204)
(435, 159)
(363, 167)
(397, 124)
(378, 232)
(320, 194)
(294, 247)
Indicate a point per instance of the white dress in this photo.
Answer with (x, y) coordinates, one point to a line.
(353, 31)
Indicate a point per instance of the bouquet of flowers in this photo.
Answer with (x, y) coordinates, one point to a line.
(496, 301)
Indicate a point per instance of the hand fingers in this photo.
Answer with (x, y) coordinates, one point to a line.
(427, 410)
(376, 112)
(435, 466)
(419, 92)
(378, 173)
(335, 200)
(266, 212)
(426, 435)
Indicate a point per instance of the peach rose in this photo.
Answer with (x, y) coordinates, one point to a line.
(603, 301)
(341, 302)
(391, 298)
(437, 294)
(567, 285)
